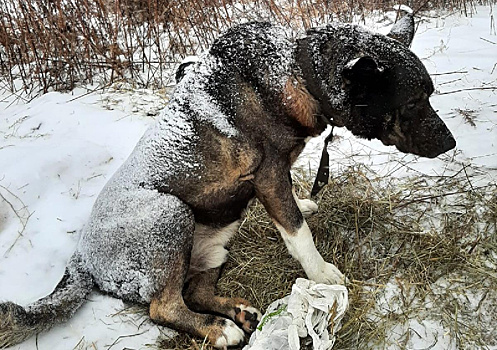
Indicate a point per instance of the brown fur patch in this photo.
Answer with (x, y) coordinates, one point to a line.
(274, 190)
(300, 104)
(169, 310)
(16, 325)
(233, 163)
(296, 152)
(251, 103)
(200, 296)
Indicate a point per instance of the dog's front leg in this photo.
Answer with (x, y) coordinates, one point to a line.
(274, 190)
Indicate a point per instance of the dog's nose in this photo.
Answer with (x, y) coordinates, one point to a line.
(449, 143)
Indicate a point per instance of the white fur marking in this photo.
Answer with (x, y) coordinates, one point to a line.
(301, 246)
(208, 250)
(232, 335)
(190, 59)
(403, 8)
(307, 207)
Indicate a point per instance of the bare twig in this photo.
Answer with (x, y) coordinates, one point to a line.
(488, 41)
(22, 217)
(468, 89)
(453, 72)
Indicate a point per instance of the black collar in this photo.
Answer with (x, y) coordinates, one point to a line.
(304, 60)
(323, 174)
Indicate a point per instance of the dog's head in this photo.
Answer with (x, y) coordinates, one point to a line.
(375, 86)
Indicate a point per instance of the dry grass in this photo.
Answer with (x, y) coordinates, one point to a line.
(414, 248)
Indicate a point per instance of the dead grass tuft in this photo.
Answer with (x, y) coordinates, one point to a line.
(414, 248)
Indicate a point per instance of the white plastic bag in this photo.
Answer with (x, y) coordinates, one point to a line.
(312, 309)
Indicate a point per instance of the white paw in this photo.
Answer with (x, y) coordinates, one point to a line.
(250, 309)
(232, 335)
(328, 274)
(307, 207)
(248, 317)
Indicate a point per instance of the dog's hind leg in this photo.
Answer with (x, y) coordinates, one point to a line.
(200, 296)
(168, 306)
(208, 254)
(138, 246)
(169, 309)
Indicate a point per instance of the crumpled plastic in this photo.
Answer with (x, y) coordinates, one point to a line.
(310, 314)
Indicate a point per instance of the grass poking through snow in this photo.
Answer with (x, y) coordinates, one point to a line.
(421, 254)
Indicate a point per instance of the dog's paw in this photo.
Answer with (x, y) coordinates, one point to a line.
(247, 317)
(328, 274)
(231, 335)
(308, 207)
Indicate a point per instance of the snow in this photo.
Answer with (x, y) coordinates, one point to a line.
(403, 8)
(58, 151)
(196, 79)
(57, 170)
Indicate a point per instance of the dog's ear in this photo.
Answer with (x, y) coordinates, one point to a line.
(403, 30)
(360, 69)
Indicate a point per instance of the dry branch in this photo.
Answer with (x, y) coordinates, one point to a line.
(58, 45)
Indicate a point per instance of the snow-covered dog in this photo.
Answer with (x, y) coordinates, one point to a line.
(236, 122)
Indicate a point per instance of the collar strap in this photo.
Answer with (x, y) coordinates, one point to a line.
(304, 60)
(313, 84)
(323, 175)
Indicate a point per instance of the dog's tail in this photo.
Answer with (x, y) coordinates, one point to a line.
(18, 323)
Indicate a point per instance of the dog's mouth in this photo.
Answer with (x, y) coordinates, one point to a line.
(435, 149)
(418, 131)
(426, 147)
(423, 139)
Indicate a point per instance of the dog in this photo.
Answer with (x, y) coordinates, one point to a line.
(237, 120)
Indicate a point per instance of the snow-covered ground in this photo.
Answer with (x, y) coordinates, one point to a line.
(57, 152)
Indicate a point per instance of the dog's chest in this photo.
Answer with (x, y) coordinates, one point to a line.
(223, 186)
(224, 205)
